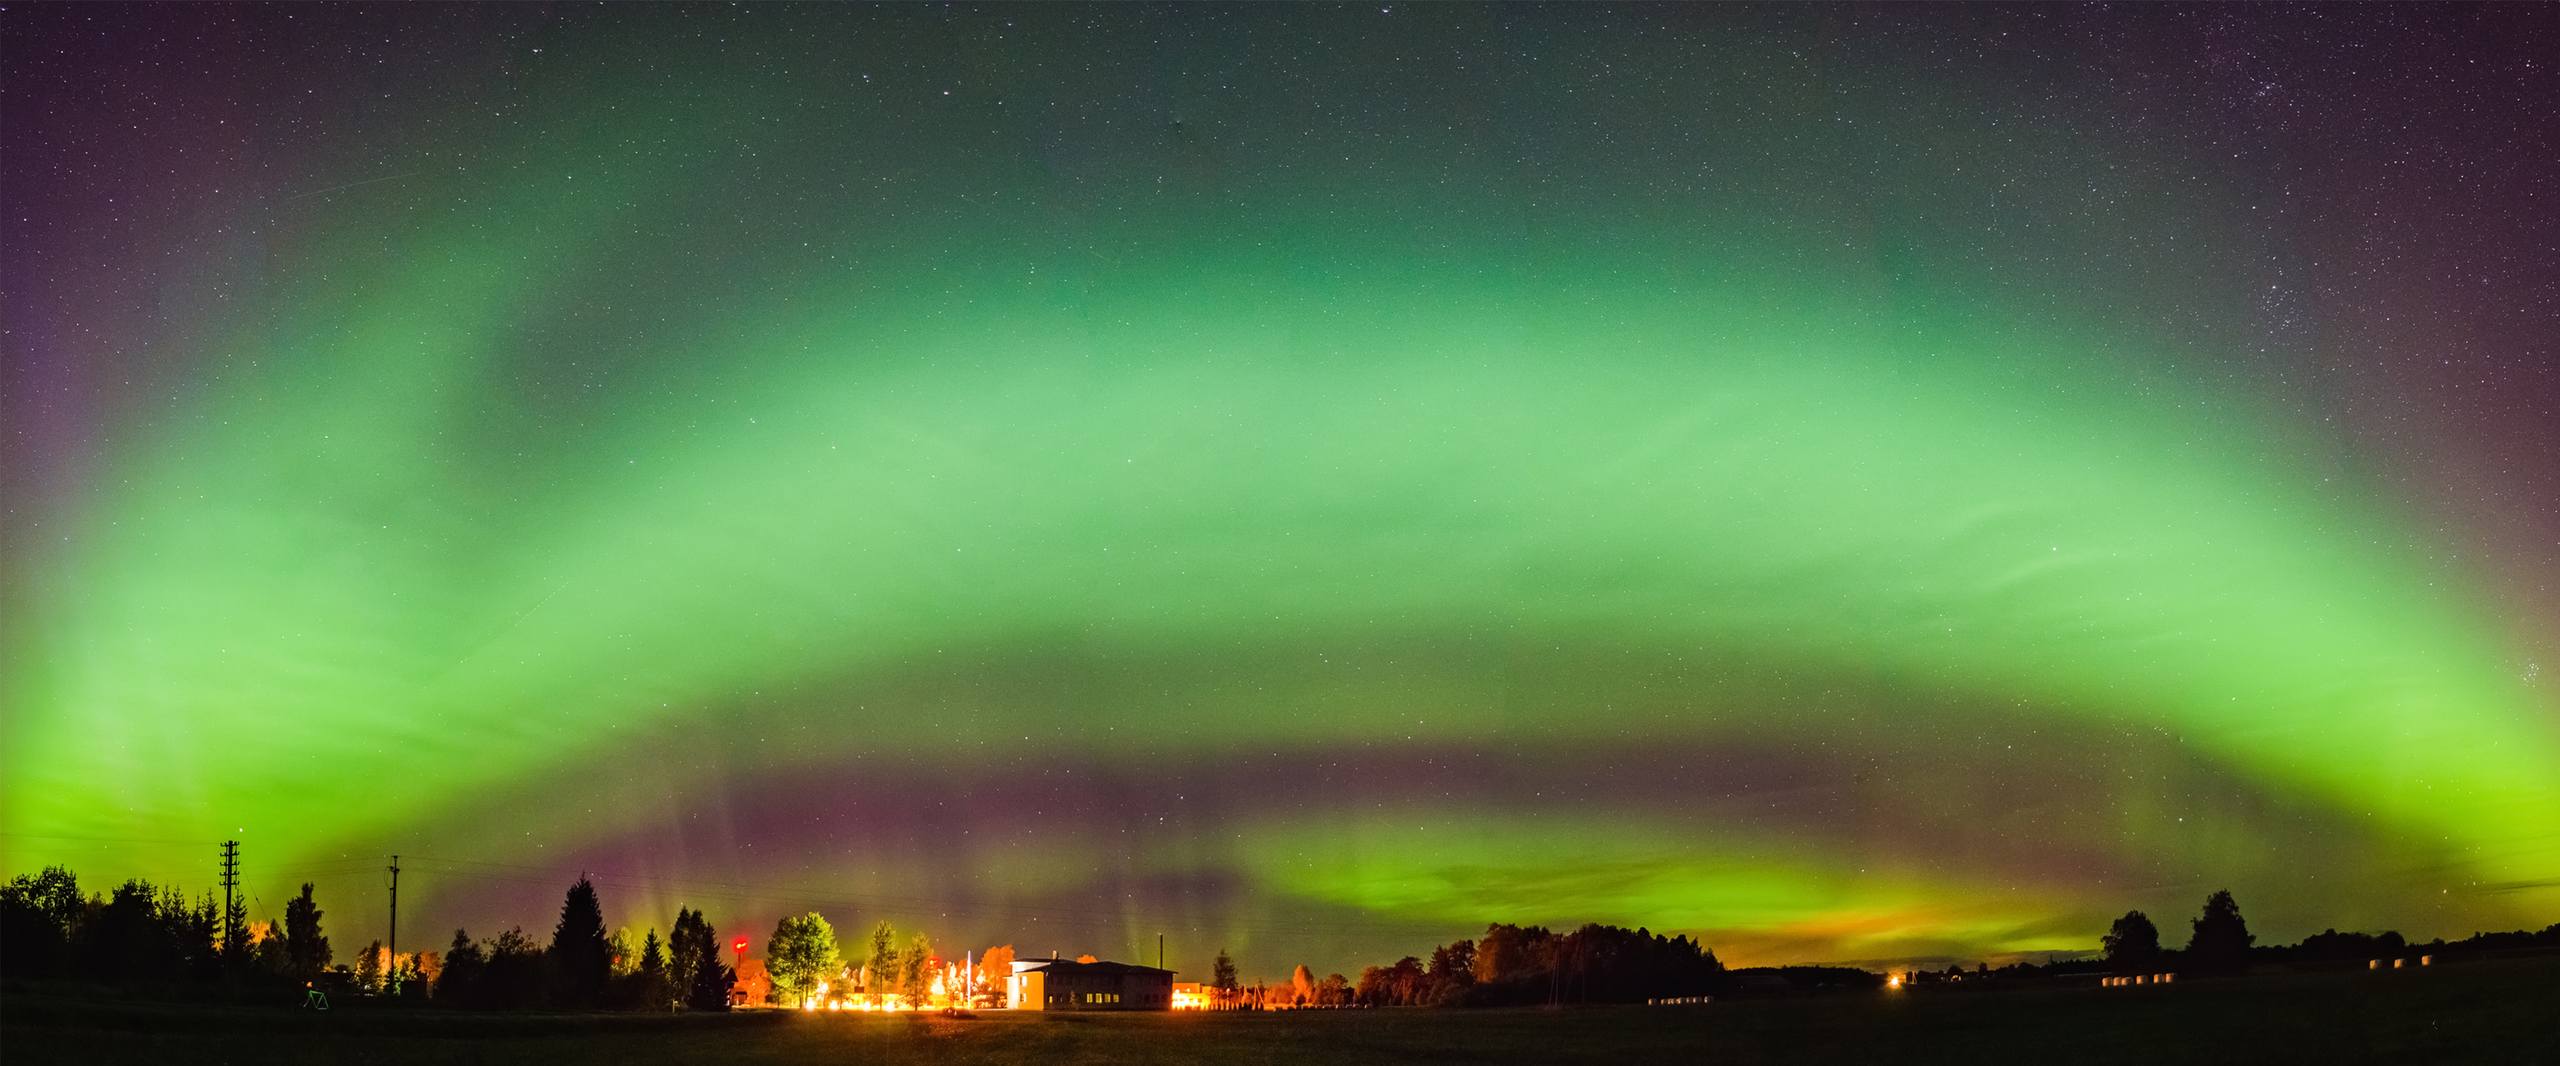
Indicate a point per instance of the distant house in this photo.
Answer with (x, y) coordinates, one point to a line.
(751, 987)
(1058, 984)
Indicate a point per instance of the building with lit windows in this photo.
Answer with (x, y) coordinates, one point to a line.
(1060, 984)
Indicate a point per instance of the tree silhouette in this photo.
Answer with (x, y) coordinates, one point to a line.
(581, 962)
(1452, 973)
(412, 975)
(269, 955)
(1222, 977)
(2132, 942)
(458, 985)
(516, 971)
(1511, 964)
(2220, 943)
(37, 914)
(688, 944)
(306, 950)
(710, 988)
(235, 935)
(649, 979)
(693, 963)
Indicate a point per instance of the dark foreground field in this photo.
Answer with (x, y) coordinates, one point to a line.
(2483, 1012)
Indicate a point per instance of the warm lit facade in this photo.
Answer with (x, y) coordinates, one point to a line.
(751, 987)
(1059, 984)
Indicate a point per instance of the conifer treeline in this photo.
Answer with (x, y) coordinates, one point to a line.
(141, 936)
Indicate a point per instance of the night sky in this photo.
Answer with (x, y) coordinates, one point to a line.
(1850, 484)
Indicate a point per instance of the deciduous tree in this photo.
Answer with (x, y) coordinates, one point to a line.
(801, 957)
(880, 968)
(2220, 942)
(2132, 943)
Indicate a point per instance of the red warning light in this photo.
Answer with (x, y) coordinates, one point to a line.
(739, 945)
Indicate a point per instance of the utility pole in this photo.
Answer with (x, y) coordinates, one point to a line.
(1159, 951)
(230, 886)
(395, 913)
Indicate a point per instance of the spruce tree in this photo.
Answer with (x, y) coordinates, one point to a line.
(709, 986)
(306, 950)
(683, 953)
(656, 993)
(458, 985)
(581, 962)
(2220, 943)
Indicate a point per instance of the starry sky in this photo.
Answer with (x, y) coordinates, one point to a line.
(1855, 484)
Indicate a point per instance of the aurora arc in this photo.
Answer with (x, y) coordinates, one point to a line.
(465, 541)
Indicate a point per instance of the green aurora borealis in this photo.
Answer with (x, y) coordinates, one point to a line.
(1083, 512)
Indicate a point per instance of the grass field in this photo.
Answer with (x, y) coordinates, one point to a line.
(2503, 1012)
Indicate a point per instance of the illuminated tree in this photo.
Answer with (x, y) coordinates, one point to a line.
(880, 970)
(620, 959)
(415, 974)
(369, 967)
(1333, 991)
(1404, 981)
(1372, 989)
(1510, 954)
(915, 970)
(801, 957)
(994, 968)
